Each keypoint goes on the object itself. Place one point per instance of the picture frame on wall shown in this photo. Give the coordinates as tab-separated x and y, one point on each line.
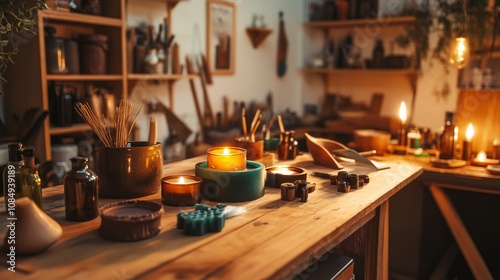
221	36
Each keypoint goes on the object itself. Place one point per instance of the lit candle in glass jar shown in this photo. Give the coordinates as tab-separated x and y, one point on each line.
180	190
227	158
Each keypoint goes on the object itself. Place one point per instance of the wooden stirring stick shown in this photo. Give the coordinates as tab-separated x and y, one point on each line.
153	131
244	123
280	124
254	128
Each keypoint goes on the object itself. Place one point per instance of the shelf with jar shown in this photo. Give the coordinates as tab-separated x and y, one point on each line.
78	48
382	21
340	62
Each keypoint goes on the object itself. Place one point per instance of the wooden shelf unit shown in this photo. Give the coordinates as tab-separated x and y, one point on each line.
331	26
381	71
64	17
76	128
384	21
257	35
21	96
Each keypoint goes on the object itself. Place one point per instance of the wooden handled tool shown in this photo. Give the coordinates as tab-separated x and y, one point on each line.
209	115
190	71
206	69
153	131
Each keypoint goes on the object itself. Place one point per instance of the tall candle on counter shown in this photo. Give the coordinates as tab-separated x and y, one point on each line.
402	116
227	158
496	149
467	145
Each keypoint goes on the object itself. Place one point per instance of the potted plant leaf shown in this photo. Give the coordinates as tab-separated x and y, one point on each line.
477	20
17	23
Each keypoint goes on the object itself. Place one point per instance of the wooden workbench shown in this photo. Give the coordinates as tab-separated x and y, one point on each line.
275	239
453	194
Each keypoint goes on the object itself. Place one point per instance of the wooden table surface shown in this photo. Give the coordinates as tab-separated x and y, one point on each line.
274	239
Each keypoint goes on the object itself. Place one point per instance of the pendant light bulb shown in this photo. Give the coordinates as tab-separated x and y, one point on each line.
460	52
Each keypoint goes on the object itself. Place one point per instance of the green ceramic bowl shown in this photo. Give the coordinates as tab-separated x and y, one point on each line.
232	186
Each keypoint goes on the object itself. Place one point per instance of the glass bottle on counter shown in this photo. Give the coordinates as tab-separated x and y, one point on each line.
12	176
287	146
80	191
414	142
31	184
447	138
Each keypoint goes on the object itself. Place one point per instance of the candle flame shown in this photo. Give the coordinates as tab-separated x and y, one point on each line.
470	132
225	152
284	171
455	134
402	112
181	180
481	156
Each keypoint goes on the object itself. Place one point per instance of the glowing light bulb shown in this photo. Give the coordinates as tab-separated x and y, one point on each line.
460	52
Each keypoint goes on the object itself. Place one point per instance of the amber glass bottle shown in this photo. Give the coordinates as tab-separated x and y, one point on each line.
31	184
287	146
80	191
447	138
12	176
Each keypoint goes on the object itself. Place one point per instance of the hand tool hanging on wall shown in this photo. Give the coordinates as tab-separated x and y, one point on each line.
209	114
190	71
175	123
282	47
197	45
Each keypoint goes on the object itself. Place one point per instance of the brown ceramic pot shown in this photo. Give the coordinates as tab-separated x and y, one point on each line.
130	172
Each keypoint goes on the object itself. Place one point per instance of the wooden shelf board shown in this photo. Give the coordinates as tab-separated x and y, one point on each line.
400	20
80	77
358	71
159	76
81	18
69	129
257	35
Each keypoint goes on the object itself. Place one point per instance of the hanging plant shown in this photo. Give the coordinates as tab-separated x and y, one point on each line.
17	21
448	19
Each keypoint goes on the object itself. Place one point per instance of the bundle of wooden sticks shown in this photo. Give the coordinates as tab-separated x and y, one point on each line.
255	124
122	126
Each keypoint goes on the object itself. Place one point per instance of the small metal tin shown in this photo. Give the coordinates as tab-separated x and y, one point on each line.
299	184
343	187
287	191
361	181
334	179
354	181
365	177
304	194
343	176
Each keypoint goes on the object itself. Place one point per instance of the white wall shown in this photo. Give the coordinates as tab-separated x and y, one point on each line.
255	74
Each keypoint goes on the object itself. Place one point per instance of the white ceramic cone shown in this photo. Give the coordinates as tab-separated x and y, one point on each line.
35	231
